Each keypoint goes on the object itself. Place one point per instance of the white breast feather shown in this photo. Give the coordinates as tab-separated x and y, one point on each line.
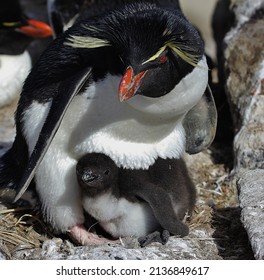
120	217
136	132
13	71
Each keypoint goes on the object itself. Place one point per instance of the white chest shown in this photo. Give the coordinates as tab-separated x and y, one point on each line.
120	217
13	71
133	139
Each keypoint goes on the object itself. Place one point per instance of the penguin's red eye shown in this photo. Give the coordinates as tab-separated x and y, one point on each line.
163	59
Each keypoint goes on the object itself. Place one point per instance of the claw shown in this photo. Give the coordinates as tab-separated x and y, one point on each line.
156	236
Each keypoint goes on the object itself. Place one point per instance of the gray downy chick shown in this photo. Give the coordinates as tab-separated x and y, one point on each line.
147	204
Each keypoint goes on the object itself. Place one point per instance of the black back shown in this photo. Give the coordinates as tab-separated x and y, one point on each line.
97	7
62	11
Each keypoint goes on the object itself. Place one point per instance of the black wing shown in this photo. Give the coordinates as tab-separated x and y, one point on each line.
66	92
161	205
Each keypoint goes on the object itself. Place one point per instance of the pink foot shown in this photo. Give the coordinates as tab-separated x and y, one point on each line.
80	235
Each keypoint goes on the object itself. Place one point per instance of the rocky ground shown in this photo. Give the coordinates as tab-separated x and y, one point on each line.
215	228
244	67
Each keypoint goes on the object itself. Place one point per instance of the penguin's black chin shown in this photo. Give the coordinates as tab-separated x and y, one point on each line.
130	84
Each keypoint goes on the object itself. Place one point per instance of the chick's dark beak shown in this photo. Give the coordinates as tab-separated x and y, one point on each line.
130	84
36	29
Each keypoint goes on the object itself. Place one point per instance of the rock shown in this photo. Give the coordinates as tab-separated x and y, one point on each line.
252	219
251	189
244	68
248	142
2	256
199	245
244	83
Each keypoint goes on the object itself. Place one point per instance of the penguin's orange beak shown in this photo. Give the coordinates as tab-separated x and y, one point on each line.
36	29
130	84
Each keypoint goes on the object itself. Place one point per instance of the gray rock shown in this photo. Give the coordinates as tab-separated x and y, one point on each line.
244	60
251	189
2	257
199	245
253	220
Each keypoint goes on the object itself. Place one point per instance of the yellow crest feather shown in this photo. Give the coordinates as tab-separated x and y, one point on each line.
86	42
10	24
183	53
91	28
159	52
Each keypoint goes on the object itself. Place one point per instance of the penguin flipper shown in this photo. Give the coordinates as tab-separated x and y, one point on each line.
68	89
200	124
161	205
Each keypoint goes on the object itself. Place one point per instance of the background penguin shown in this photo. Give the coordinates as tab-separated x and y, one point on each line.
37	9
64	13
16	33
146	56
141	203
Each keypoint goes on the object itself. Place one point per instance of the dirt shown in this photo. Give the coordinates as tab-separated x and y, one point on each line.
211	172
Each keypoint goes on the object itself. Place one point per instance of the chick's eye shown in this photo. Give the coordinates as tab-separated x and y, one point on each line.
107	172
163	59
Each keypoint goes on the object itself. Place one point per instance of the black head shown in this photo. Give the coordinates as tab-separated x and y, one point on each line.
156	47
17	30
96	173
61	12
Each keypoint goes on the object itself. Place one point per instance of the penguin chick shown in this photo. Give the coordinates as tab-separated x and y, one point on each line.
142	203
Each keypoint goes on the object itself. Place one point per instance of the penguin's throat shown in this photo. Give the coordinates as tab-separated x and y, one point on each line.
132	138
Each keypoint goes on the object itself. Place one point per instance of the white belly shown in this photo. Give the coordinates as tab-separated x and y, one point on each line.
131	138
120	217
13	71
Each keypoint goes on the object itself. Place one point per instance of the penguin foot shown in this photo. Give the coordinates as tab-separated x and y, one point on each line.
156	236
81	236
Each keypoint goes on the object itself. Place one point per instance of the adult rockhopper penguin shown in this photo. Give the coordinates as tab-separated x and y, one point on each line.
16	33
119	84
